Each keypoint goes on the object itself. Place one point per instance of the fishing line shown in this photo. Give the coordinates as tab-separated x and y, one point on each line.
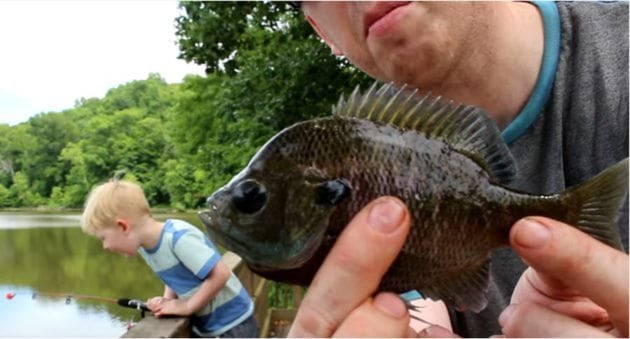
124	302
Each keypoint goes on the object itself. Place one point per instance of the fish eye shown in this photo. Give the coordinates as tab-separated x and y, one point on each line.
249	196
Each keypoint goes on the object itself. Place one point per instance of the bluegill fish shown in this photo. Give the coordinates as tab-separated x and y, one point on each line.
284	211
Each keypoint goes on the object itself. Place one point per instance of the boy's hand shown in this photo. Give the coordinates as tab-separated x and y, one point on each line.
163	306
155	302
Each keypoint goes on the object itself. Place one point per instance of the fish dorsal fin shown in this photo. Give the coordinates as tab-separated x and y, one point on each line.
466	128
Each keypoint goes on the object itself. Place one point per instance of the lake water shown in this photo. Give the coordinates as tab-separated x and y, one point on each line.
48	253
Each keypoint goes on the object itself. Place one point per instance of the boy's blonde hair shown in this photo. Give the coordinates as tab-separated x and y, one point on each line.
112	200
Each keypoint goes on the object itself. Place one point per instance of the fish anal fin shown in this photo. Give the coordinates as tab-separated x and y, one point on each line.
465	289
467	129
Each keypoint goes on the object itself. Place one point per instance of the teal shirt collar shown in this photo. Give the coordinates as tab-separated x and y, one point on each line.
544	84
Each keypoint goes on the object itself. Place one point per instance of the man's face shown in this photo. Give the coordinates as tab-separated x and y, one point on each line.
417	43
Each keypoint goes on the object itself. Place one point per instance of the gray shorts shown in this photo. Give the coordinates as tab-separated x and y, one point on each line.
247	329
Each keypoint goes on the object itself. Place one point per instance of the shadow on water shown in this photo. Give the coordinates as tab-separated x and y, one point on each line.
50	253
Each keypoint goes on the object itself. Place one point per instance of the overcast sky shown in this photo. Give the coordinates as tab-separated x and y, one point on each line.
54	52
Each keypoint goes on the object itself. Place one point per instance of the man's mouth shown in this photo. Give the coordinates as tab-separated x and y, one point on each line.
379	12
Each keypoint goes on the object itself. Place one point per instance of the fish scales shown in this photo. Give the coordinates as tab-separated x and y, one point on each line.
439	177
284	211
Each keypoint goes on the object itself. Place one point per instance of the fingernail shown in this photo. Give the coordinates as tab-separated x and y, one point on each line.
506	314
390	304
531	234
427	333
386	215
435	331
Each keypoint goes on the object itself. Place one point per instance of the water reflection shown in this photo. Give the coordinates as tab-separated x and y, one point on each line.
24	220
24	316
50	253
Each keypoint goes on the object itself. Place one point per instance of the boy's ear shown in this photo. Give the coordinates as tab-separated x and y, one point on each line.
123	224
333	48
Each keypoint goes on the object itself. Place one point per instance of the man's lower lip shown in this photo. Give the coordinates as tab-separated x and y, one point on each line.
383	25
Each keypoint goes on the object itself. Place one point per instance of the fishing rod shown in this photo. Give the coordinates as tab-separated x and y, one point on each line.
124	302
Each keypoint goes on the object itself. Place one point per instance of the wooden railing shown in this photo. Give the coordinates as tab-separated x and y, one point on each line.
178	327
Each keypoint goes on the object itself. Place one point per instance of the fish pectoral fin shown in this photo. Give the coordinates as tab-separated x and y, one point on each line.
332	192
464	290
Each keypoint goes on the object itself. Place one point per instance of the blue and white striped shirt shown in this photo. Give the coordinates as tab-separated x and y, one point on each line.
183	258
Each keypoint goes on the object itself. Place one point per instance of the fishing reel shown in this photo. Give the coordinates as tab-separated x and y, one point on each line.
133	303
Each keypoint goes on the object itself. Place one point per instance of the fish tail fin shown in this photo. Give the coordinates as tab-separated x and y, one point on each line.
596	203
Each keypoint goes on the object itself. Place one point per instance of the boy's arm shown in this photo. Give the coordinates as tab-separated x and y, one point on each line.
169	293
209	288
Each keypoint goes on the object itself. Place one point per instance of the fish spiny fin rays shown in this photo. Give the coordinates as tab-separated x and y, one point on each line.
466	128
466	290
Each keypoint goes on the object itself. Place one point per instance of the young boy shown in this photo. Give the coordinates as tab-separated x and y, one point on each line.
196	282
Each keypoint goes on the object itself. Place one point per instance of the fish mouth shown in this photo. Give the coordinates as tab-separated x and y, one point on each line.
222	231
207	219
218	227
378	12
211	221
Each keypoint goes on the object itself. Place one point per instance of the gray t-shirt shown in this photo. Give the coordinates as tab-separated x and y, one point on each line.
582	131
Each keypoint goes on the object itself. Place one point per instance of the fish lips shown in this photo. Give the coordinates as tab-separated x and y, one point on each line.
215	225
209	220
217	204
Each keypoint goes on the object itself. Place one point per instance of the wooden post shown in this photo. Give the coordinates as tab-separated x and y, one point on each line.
298	295
261	301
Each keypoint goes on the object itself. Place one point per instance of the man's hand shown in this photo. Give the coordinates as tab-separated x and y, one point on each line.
576	286
339	302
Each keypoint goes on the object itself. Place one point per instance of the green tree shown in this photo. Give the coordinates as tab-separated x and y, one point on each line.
278	71
20	192
51	132
17	144
209	33
78	178
5	197
266	71
185	183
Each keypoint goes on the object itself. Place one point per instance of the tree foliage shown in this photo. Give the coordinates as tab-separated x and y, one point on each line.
265	71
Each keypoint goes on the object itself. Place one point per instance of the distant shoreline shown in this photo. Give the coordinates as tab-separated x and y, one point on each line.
50	210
